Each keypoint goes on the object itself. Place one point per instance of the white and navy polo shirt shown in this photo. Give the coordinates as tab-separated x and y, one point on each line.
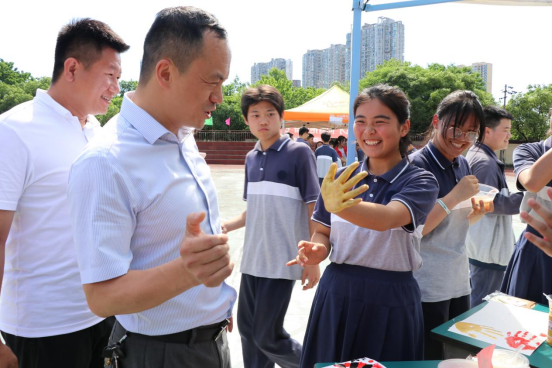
279	183
391	250
525	156
445	274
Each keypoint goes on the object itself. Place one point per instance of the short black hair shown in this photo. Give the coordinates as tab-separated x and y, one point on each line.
310	136
178	34
303	130
325	137
493	115
264	92
84	40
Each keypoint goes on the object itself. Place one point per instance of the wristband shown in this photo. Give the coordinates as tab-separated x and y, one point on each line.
444	206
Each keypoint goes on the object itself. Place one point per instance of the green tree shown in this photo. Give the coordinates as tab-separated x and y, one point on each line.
531	113
127	86
12	76
230	108
112	110
426	87
16	86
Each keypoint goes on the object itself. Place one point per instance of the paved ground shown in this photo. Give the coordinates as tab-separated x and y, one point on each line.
229	183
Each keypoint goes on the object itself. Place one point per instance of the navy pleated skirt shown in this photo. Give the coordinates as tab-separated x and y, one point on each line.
529	273
363	312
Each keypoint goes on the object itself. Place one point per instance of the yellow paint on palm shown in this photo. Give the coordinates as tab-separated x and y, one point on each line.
337	193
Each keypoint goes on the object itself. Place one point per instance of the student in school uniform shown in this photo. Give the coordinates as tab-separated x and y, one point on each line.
368	302
444	279
281	187
490	242
529	273
542	223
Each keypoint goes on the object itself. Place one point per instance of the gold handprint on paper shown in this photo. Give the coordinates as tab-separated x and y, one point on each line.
483	330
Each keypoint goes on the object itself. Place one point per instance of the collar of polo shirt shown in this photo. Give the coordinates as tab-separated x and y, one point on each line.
276	146
439	157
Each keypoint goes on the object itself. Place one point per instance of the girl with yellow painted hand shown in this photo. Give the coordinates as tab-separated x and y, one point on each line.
368	303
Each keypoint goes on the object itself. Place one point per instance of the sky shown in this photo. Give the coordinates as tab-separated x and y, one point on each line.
516	40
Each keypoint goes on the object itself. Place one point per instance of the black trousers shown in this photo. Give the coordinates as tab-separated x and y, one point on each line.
262	307
435	314
79	349
143	351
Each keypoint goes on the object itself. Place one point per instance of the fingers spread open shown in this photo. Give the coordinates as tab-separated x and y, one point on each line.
354	180
330	176
356	192
347	173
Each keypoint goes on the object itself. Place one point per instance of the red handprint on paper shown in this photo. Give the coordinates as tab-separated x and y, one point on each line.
518	339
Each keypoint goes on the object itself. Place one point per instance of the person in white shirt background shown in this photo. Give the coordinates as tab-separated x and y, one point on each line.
44	316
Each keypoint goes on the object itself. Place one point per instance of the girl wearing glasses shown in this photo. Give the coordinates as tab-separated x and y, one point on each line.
368	303
444	277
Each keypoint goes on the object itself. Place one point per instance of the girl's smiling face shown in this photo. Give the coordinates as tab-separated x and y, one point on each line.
449	144
378	131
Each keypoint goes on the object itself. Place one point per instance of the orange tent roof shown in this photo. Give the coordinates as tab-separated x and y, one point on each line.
330	110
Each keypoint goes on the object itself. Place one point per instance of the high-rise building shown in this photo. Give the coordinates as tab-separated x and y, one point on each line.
259	69
313	69
379	42
486	71
321	68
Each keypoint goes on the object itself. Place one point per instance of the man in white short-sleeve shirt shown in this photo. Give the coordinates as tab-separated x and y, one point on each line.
44	316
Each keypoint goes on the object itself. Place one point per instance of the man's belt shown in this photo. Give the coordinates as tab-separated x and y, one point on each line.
199	334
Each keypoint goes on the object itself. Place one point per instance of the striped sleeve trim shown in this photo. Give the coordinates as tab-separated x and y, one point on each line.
321	223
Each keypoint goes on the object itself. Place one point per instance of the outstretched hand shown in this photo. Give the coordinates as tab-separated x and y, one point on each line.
309	253
337	193
544	227
205	257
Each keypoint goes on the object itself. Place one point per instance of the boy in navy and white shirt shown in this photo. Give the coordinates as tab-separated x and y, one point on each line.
325	155
490	242
281	187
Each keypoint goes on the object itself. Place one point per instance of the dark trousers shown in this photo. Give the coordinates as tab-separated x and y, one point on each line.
484	281
262	306
435	314
142	351
78	349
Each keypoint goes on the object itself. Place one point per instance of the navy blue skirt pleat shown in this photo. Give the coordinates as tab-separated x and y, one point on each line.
529	272
363	312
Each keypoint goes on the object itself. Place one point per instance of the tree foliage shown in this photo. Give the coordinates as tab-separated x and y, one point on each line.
531	113
17	86
426	87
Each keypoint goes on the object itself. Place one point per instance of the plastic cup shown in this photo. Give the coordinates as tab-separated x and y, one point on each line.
457	363
509	359
486	194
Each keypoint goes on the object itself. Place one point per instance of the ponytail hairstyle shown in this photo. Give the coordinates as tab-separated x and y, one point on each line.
394	99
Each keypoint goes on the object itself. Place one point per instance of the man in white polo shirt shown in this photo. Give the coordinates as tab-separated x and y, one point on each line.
44	317
145	209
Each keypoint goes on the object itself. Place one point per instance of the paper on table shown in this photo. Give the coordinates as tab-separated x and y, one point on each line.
358	363
506	326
